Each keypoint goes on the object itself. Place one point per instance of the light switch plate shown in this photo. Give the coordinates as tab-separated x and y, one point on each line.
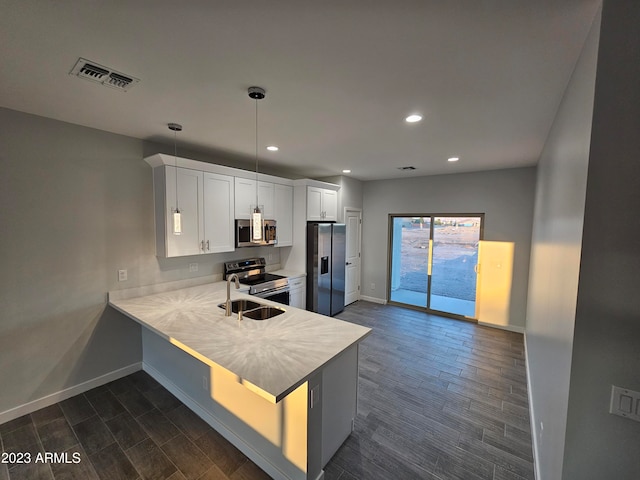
625	403
122	275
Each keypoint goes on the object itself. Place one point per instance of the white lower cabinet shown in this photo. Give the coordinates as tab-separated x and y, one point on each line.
297	293
205	201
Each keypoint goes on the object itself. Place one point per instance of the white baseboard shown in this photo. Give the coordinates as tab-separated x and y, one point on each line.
227	433
381	301
532	417
511	328
56	397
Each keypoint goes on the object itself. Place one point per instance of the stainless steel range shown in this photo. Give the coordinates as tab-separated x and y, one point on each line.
251	271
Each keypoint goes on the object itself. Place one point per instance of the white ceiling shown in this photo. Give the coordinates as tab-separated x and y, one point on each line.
340	76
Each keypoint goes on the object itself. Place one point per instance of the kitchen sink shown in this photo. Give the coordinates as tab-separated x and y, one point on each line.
263	313
253	310
242	305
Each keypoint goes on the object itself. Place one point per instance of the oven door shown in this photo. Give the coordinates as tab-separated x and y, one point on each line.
280	295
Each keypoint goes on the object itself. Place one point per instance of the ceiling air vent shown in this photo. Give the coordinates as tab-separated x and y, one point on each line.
104	75
406	168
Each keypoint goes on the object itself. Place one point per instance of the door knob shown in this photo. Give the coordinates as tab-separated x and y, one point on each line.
348	263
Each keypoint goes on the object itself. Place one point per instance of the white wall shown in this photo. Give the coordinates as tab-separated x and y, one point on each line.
76	205
606	344
555	261
504	196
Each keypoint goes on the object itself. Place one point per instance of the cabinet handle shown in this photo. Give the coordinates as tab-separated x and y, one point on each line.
207	245
202	245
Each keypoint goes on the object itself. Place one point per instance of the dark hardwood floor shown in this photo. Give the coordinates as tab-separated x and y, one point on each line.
438	399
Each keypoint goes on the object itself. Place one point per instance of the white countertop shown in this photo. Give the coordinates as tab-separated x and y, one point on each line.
289	273
271	357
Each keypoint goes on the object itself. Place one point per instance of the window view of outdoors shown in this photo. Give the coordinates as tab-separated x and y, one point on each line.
454	254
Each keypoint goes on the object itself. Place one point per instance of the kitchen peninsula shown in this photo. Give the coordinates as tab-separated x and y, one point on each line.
282	390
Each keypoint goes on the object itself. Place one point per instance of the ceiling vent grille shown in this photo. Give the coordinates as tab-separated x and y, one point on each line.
406	168
106	76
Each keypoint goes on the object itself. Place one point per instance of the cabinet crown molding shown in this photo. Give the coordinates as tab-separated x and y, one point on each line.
309	182
160	159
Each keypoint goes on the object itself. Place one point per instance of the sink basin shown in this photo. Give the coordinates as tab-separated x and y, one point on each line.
263	313
254	310
242	305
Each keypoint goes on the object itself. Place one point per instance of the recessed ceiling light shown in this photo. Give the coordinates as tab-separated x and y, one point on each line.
453	159
413	118
346	171
272	148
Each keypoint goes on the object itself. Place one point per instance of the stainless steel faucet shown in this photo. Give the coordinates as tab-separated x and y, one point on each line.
227	305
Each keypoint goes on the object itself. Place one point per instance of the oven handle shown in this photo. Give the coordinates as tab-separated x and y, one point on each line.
268	293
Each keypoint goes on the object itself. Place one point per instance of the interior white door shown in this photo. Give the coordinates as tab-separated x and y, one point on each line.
352	219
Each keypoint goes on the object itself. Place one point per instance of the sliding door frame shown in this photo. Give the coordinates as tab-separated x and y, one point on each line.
432	216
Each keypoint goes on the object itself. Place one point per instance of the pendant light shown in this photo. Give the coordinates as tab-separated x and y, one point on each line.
257	220
177	215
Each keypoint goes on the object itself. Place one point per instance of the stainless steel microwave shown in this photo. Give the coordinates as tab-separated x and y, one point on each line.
243	233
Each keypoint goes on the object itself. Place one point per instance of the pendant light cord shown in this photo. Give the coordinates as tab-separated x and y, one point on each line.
175	158
256	100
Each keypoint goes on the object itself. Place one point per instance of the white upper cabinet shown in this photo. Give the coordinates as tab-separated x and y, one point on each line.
283	205
188	190
330	205
266	198
322	204
205	201
210	197
245	197
219	233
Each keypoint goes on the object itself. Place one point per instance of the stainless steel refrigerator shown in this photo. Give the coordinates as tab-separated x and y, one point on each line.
326	251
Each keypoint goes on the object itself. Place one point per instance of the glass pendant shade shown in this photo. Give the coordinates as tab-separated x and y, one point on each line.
177	222
257	227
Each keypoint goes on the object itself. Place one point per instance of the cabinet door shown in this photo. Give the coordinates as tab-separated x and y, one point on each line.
266	199
297	298
218	213
330	205
297	295
314	204
284	214
245	196
188	190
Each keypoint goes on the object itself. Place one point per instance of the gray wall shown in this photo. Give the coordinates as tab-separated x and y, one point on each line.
606	345
76	205
504	196
555	261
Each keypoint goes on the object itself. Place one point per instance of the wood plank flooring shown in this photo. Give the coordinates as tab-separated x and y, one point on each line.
438	399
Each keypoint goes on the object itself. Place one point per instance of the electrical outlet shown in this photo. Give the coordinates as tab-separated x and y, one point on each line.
373	286
270	256
193	267
205	383
122	275
625	403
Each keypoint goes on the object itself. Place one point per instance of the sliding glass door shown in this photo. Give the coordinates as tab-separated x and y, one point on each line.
433	262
